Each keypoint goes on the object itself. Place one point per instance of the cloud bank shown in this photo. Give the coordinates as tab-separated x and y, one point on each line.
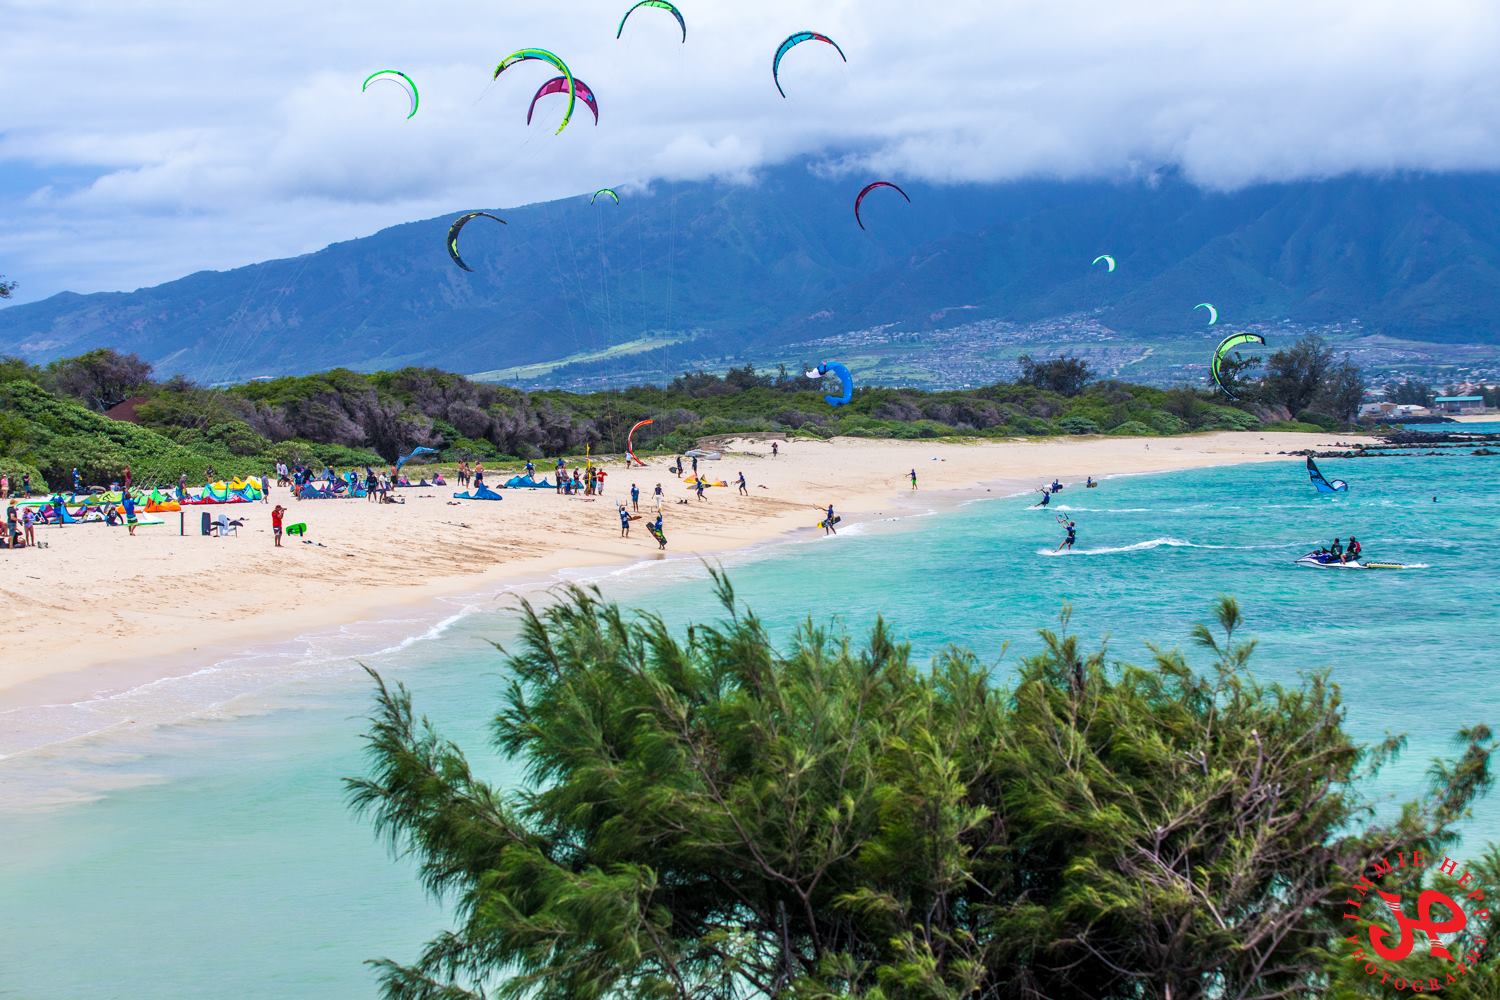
142	141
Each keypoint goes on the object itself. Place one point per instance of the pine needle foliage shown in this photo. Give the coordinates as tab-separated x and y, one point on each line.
710	816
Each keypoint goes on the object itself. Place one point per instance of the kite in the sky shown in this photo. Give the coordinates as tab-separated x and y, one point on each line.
660	5
1109	261
1213	313
860	200
845	379
611	193
400	79
791	43
1226	345
559	85
457	227
542	55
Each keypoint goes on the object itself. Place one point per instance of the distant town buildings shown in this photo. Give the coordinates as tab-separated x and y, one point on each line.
1459	404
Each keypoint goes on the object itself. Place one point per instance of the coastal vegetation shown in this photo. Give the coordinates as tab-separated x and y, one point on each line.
54	419
712	813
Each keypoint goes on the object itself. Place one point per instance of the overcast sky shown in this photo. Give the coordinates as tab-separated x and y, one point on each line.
140	141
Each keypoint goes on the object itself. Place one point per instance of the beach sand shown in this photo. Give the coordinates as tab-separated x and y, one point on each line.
97	609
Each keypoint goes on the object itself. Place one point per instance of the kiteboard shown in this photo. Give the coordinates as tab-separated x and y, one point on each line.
836	520
297	529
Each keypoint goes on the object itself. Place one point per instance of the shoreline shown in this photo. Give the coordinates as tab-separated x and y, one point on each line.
525	545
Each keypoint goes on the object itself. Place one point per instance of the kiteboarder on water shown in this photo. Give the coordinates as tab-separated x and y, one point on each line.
1046	499
1067	543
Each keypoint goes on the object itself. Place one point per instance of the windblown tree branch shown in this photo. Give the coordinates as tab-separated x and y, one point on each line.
712	816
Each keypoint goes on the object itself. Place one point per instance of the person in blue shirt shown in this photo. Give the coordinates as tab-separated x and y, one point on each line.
624	522
128	503
635	498
828	519
744	487
77	482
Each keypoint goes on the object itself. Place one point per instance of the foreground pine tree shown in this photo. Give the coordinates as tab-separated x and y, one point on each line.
718	818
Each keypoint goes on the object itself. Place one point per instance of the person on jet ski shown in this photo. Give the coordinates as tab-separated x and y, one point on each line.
1336	550
1351	554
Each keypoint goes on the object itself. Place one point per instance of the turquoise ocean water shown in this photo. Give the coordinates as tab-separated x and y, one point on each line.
214	856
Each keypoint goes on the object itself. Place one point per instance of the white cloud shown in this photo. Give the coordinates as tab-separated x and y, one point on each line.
220	134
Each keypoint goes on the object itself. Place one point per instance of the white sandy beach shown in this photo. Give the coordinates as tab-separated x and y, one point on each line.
97	606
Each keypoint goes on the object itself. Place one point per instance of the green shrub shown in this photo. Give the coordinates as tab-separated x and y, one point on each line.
1132	428
1077	425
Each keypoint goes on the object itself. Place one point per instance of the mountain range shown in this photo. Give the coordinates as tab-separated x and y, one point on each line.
728	269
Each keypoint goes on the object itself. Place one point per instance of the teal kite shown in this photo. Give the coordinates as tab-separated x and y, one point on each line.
542	55
793	42
659	5
1108	261
1213	313
401	79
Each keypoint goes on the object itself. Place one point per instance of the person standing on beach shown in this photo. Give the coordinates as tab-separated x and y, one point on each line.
125	477
660	532
4	486
557	474
624	522
698	488
599	480
13	524
658	498
26	484
913	479
635	498
278	513
775	449
28	520
77	483
128	502
744	489
695	465
678	467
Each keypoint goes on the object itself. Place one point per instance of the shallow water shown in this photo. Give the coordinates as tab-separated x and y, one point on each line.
214	856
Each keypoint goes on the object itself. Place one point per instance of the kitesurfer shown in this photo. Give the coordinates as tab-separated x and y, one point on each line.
744	488
659	532
828	519
1067	543
1046	499
624	522
1056	486
698	488
1089	483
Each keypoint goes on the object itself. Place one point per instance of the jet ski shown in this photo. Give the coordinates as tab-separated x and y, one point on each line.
1327	560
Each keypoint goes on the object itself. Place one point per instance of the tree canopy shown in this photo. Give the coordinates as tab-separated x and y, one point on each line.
706	815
